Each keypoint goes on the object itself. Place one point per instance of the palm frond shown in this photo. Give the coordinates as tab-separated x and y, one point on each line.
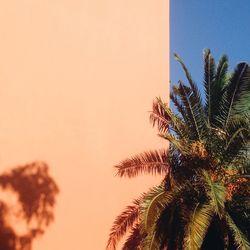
198	226
188	75
217	91
216	194
242	98
179	106
165	119
134	239
123	223
150	242
221	73
240	239
193	109
171	226
237	138
155	200
194	94
152	205
159	116
238	91
209	75
155	203
178	143
237	134
152	162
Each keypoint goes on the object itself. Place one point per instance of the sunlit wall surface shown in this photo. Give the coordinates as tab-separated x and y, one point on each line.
77	79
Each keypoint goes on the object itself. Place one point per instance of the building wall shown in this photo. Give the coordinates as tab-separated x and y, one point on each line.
77	81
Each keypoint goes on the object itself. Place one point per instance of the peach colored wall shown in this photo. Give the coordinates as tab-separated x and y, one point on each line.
77	78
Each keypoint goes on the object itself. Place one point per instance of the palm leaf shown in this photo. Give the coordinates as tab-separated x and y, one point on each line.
151	242
180	107
171	226
155	200
159	116
221	73
194	95
188	75
240	239
123	223
242	98
164	117
216	194
152	207
209	75
238	85
193	109
237	138
237	134
152	162
218	96
198	226
134	239
178	143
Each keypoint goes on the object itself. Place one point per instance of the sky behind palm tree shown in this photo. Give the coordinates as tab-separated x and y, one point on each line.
222	26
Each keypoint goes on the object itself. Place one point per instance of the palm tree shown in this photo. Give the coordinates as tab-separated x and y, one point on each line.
203	200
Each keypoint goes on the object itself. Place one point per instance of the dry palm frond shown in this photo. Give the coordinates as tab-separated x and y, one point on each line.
134	239
159	116
198	149
123	223
152	162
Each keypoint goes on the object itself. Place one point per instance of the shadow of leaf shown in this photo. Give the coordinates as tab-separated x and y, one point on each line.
36	194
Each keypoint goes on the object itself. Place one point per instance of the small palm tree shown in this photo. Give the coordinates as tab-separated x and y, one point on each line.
203	200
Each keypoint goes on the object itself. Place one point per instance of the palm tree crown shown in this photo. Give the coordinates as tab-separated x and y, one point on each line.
203	199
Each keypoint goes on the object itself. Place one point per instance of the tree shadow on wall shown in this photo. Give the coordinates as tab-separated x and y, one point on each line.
32	192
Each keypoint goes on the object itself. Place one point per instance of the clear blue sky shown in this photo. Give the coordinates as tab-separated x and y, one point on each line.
221	25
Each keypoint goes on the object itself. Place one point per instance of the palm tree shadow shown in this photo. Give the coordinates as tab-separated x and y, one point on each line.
35	191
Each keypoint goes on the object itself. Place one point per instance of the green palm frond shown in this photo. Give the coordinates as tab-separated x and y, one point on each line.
238	134
237	138
216	194
218	97
242	98
123	223
152	205
196	230
238	92
194	95
221	74
195	112
209	77
179	106
240	239
189	77
156	200
150	242
152	162
178	143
